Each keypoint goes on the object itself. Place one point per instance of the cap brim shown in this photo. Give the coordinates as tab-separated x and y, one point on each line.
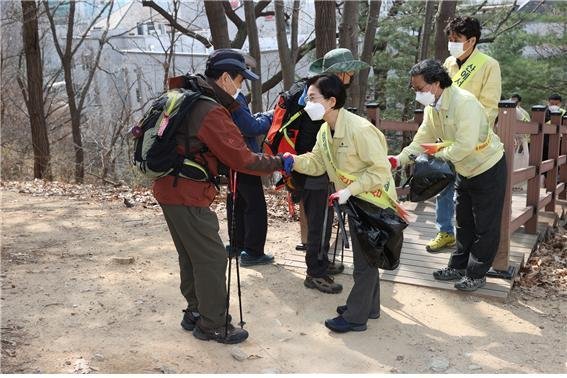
249	74
316	67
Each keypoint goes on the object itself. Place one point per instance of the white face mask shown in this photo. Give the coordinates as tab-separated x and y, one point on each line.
315	110
425	98
553	108
235	95
456	49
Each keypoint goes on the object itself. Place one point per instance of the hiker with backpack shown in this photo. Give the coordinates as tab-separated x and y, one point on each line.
353	152
313	191
250	210
209	136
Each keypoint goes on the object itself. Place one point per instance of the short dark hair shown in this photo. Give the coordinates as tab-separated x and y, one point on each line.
555	96
330	86
467	26
517	96
432	71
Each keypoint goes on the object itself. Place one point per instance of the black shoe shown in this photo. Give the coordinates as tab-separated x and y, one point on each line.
341	325
233	336
189	319
335	268
323	284
249	260
470	284
449	274
373	315
301	247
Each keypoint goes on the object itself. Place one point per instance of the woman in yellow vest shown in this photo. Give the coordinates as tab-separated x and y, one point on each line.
456	117
354	154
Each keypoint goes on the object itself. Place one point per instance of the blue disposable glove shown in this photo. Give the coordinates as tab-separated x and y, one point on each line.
287	162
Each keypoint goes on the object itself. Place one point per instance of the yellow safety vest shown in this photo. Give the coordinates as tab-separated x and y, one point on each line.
378	197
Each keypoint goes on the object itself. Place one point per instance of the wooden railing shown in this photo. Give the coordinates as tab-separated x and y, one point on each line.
555	167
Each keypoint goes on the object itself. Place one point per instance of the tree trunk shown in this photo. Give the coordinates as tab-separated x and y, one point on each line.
445	11
348	38
34	103
288	68
426	29
217	24
367	47
254	48
325	27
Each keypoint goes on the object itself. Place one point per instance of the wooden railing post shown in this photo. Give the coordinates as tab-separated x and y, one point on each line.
536	154
563	168
506	131
551	179
373	113
418	116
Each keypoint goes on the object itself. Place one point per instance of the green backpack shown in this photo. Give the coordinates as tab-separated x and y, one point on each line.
155	144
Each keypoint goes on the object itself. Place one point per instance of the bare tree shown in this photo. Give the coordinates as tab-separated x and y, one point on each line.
367	47
217	24
426	29
325	27
287	54
348	38
254	47
77	94
33	97
445	12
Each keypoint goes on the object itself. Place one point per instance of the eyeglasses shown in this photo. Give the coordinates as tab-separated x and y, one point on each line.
311	98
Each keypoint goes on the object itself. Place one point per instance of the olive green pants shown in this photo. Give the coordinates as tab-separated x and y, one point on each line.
202	260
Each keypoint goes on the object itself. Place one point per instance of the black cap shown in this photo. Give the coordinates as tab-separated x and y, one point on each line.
230	60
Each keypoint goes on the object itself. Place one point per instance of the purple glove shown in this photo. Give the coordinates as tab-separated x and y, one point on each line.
287	162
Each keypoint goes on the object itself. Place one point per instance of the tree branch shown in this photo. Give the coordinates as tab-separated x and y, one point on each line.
175	24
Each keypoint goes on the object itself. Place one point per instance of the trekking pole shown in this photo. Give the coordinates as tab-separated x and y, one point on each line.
336	242
230	246
233	231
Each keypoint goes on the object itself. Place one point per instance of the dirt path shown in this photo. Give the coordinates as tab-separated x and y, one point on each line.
68	307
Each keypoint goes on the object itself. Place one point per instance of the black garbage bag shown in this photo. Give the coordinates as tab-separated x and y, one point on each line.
430	176
380	232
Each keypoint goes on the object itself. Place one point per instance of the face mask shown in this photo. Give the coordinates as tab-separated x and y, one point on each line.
235	95
315	110
553	108
425	98
456	49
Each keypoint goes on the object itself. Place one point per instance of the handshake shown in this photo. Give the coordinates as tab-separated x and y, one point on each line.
287	162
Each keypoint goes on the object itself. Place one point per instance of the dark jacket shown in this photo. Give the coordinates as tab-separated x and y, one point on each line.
210	128
251	125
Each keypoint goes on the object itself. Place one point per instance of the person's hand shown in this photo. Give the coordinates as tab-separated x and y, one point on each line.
341	196
394	161
433	148
287	162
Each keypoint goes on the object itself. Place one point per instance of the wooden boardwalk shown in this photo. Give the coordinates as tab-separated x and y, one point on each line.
417	265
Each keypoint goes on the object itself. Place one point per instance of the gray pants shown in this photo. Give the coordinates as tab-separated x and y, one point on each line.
202	260
364	298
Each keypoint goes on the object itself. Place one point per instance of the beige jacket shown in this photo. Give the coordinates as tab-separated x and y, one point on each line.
359	149
485	85
462	121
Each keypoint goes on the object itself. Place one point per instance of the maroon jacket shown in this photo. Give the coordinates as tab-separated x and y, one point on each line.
210	124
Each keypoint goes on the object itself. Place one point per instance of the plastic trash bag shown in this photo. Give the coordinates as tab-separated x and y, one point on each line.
430	176
380	232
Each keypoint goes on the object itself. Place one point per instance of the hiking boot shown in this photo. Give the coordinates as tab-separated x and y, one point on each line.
335	268
301	247
233	336
340	324
470	284
441	240
189	319
248	260
323	284
373	314
449	274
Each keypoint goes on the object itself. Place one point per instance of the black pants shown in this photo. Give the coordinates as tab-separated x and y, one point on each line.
480	200
314	202
251	215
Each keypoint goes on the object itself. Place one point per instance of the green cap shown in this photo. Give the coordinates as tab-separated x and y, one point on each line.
336	61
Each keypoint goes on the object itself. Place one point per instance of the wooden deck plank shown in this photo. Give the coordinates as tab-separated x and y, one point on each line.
417	265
